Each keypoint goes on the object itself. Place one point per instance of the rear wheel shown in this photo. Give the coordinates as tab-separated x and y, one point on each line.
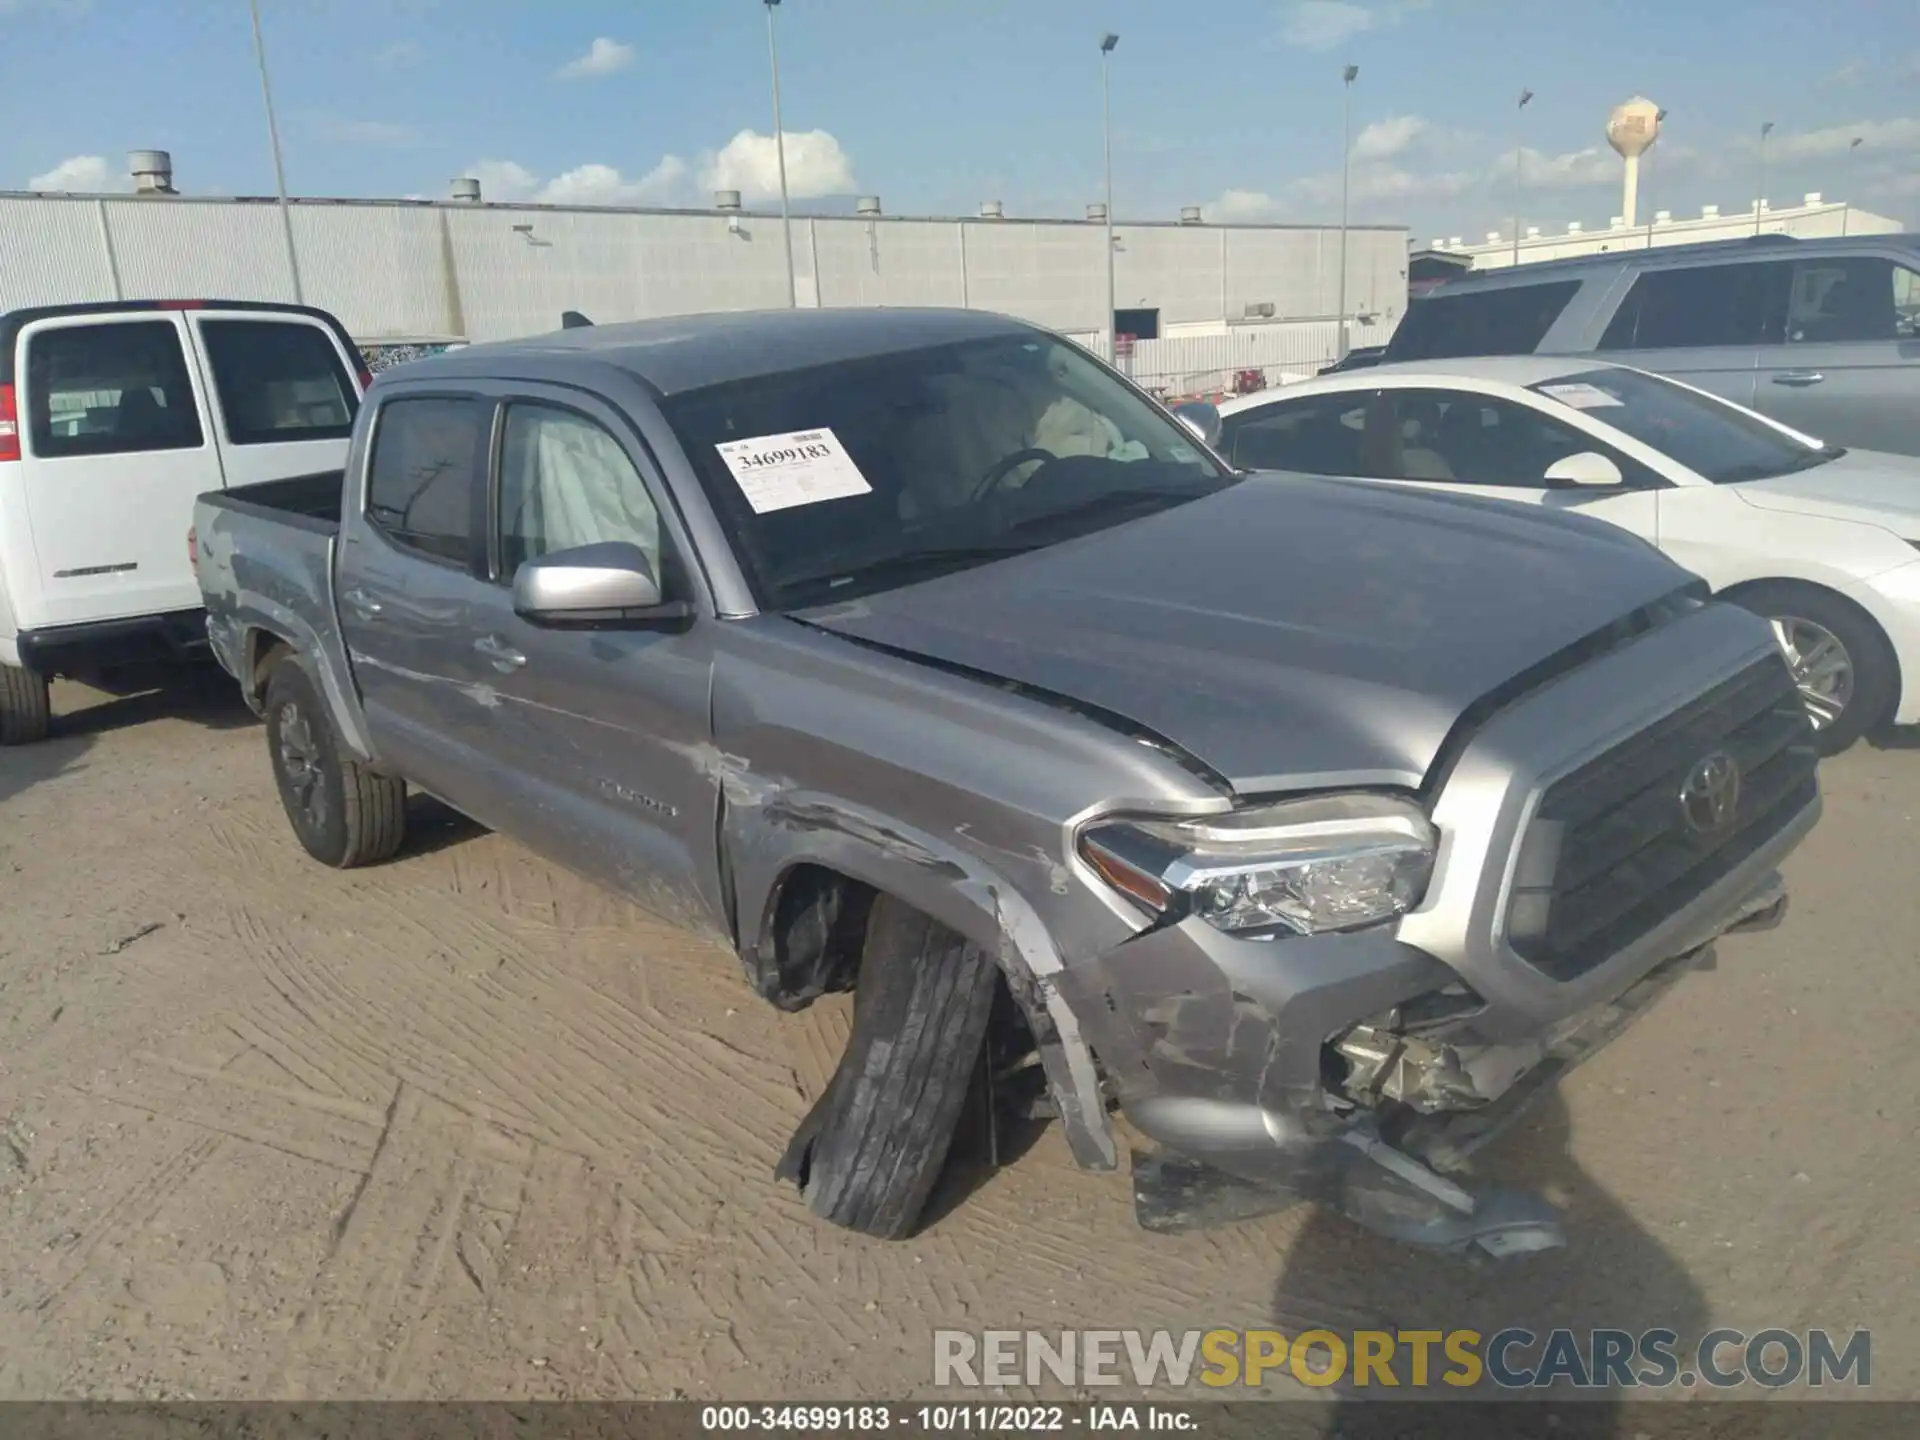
26	710
343	813
868	1154
1848	674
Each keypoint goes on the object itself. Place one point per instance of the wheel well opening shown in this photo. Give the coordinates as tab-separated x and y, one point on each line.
814	943
266	650
813	937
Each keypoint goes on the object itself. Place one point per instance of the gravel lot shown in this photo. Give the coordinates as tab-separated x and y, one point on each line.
463	1126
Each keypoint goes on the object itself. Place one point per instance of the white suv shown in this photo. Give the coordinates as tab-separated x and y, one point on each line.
113	417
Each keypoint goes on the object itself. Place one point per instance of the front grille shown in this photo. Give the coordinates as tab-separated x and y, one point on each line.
1610	853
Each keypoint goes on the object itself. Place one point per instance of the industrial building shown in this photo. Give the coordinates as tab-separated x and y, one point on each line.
1201	300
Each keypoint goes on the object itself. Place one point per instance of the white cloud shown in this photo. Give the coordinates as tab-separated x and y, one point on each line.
603	57
604	185
503	180
1885	137
1570	170
1850	76
1384	139
1239	206
83	173
1325	24
401	55
816	165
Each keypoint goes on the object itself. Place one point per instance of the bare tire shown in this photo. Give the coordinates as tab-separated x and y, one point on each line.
868	1154
25	710
1847	671
342	812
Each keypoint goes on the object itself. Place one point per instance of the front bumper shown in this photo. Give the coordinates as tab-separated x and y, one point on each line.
1226	1052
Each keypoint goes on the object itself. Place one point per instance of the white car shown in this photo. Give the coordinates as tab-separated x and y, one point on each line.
1820	540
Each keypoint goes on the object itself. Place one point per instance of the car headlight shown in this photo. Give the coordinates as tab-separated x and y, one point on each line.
1301	867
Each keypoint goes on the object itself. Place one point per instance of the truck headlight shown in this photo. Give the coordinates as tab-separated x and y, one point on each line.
1301	867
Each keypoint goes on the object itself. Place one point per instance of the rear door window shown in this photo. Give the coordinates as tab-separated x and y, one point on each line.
1320	436
422	483
1503	320
278	381
110	389
1702	306
1851	298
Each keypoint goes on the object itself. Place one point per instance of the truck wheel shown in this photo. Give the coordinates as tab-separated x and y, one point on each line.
1847	672
868	1154
343	813
25	710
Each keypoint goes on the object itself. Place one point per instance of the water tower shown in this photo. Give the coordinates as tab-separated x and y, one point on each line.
1631	129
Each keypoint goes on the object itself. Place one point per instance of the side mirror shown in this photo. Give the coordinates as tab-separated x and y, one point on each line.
1202	418
605	583
1578	471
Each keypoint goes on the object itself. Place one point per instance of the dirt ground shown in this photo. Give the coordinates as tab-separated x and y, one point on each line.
463	1126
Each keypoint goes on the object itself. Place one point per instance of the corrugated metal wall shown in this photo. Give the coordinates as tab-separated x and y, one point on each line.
418	271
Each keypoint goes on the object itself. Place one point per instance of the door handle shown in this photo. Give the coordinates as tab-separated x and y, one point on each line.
1798	377
502	656
361	603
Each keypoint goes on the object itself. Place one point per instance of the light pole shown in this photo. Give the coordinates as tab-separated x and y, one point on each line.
1347	76
279	170
1107	42
780	155
1766	129
1846	205
1525	96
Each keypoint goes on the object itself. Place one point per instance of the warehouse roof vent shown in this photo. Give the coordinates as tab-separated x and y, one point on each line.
152	172
992	210
867	205
726	199
465	190
1189	214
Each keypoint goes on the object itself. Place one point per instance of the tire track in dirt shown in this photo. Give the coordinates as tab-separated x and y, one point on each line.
382	1293
133	1208
329	1131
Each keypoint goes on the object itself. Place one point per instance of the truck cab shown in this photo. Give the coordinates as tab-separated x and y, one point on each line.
113	417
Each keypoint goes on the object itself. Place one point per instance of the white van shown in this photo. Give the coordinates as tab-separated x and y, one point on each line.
113	417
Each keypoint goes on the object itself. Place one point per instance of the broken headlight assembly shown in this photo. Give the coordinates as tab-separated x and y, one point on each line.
1312	866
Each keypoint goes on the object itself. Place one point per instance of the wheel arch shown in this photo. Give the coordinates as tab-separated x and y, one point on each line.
784	850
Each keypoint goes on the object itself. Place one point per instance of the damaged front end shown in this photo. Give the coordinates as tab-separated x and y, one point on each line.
1309	1014
1405	1099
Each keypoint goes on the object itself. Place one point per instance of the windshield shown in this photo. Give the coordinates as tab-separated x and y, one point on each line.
1715	438
854	477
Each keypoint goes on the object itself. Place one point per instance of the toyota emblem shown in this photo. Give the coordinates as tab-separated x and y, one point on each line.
1710	795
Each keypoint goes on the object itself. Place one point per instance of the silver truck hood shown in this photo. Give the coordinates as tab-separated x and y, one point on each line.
1287	632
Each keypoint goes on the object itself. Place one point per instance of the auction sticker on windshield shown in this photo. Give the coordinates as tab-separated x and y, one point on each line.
1580	396
802	467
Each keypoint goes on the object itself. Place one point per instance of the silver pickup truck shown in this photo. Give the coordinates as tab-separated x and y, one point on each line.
1312	827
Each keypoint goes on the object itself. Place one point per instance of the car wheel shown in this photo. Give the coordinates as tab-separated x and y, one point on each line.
25	709
868	1154
1848	674
343	813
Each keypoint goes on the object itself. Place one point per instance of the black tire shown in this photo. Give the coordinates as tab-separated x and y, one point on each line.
342	813
1875	688
26	710
868	1154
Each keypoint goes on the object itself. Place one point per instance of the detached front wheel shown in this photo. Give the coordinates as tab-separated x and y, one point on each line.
343	813
868	1154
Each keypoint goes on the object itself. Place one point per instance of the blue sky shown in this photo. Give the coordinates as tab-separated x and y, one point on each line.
938	104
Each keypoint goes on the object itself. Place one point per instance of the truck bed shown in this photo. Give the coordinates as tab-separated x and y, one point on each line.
266	574
310	501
